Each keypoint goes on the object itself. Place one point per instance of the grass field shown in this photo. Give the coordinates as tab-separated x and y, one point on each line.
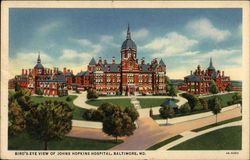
219	123
153	102
125	102
229	138
24	142
77	111
225	98
163	143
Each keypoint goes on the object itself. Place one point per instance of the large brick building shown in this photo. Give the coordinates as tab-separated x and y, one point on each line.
198	81
129	76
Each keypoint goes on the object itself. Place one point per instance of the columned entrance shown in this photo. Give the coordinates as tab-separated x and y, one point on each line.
131	89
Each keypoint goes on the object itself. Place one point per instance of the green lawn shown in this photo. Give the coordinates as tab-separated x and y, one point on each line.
163	143
77	111
229	138
219	123
24	142
225	98
153	102
124	102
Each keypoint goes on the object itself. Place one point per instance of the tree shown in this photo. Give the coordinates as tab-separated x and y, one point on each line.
192	100
216	108
166	112
39	92
172	91
132	113
17	87
118	125
49	121
185	108
92	94
237	98
168	83
213	88
204	103
16	121
109	109
198	106
229	87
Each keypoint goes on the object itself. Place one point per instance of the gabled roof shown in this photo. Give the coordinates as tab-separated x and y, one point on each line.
92	61
82	74
145	67
69	74
162	63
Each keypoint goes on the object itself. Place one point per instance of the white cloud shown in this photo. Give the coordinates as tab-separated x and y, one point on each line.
108	40
140	34
69	54
190	53
87	44
203	28
221	53
172	43
46	28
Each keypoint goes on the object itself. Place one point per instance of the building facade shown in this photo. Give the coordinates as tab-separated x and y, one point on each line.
198	81
128	76
50	83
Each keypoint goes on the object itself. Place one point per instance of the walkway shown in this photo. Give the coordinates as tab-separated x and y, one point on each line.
189	134
89	133
150	133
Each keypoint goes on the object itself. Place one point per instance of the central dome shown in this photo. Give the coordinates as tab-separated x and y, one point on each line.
128	43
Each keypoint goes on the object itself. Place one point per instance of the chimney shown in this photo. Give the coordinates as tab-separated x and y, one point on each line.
191	72
100	60
113	60
26	72
108	68
142	60
71	71
29	71
22	71
64	70
222	73
68	70
105	62
156	62
54	71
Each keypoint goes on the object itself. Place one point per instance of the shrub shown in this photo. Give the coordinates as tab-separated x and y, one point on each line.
39	92
204	103
68	99
92	94
88	114
77	90
185	108
198	106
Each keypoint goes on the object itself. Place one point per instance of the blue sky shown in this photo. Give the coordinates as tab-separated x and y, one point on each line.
183	38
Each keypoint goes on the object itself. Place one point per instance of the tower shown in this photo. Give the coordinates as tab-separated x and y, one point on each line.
128	48
39	69
211	68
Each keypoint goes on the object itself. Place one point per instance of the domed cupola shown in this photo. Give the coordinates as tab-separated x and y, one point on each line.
128	43
128	49
38	64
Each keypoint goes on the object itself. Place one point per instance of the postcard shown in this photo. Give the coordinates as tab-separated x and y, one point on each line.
125	80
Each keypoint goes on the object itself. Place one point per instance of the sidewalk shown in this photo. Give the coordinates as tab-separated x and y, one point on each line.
189	135
86	124
193	116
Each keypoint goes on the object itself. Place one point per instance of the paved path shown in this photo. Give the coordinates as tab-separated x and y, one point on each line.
89	133
189	134
87	124
150	133
81	99
193	116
